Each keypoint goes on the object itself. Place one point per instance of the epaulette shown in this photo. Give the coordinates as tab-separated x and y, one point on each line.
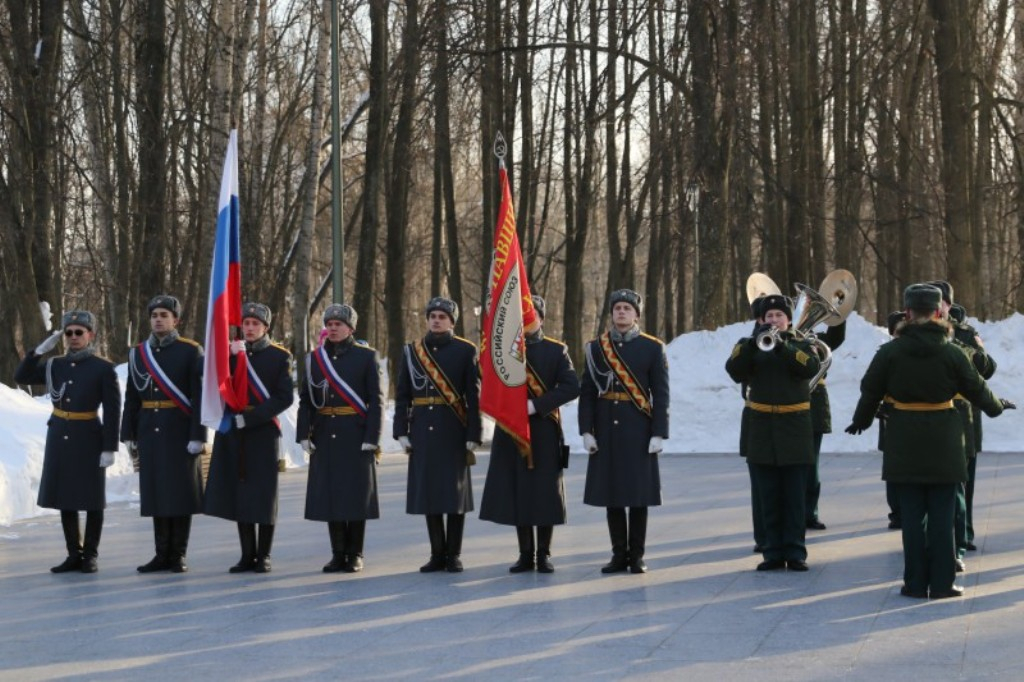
190	341
362	343
652	338
554	341
281	348
467	341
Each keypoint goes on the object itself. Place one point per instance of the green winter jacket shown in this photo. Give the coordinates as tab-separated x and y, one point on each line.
918	373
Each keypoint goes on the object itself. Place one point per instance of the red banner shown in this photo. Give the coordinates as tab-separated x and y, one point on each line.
509	315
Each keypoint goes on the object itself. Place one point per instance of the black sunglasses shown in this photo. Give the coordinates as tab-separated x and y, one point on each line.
73	332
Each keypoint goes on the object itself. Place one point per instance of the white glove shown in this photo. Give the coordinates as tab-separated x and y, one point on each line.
239	421
368	447
655	446
590	443
195	447
530	409
49	343
237	346
405	443
307	446
130	445
106	459
472	445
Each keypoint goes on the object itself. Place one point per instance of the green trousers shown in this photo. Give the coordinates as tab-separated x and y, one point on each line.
929	550
783	494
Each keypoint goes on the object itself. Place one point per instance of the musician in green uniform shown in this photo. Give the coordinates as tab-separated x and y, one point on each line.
918	374
777	365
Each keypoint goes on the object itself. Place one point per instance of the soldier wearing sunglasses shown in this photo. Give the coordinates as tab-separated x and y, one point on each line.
80	438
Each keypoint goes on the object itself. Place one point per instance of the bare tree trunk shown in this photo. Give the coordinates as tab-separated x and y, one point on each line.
311	186
376	145
399	184
954	23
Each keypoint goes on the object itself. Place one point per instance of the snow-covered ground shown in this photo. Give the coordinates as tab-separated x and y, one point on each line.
704	413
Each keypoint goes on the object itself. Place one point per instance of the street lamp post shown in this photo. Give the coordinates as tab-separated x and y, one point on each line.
337	198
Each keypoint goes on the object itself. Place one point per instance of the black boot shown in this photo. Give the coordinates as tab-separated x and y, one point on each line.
247	538
263	549
91	549
544	534
181	528
73	542
637	539
162	540
354	546
336	529
617	531
525	563
453	542
435	529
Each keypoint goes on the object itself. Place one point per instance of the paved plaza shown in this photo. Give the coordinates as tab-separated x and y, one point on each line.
702	613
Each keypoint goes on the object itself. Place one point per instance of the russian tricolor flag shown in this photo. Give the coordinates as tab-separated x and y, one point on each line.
221	390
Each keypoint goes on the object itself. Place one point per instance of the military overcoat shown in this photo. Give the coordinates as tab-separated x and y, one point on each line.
778	431
438	479
170	480
515	495
622	473
921	369
78	384
243	470
342	481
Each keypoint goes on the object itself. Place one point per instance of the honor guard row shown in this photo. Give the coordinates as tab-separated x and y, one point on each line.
623	417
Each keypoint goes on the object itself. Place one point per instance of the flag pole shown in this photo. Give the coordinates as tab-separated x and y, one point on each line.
337	199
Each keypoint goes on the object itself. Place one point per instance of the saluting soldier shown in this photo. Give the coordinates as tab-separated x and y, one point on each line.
437	421
918	374
623	418
341	407
779	442
162	420
527	492
80	443
243	470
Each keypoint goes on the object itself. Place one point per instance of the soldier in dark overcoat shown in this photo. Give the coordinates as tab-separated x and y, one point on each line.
162	421
821	424
341	407
524	492
437	421
80	441
779	441
918	374
242	485
623	418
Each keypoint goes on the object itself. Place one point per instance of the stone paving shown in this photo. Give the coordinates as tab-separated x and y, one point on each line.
701	613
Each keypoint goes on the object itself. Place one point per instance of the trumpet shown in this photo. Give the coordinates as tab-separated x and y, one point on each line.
766	340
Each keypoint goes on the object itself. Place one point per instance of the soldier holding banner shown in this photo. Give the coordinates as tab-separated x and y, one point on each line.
162	420
437	421
341	407
80	442
528	491
243	470
623	417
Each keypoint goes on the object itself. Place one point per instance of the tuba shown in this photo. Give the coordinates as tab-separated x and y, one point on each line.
831	307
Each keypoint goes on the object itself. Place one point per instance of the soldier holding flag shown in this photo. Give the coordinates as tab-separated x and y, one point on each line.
527	491
623	417
243	470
